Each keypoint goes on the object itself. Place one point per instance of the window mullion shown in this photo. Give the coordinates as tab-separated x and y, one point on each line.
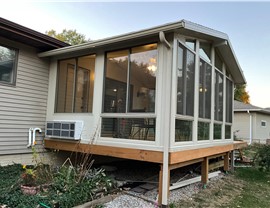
128	80
185	82
74	85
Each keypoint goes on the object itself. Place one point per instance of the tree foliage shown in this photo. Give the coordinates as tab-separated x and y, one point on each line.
71	37
241	94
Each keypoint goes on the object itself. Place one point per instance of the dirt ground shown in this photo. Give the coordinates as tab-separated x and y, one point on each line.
218	193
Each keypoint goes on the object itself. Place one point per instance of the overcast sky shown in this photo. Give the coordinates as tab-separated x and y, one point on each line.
246	23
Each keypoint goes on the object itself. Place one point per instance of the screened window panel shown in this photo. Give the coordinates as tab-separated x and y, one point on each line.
203	131
217	131
129	128
228	130
185	81
229	96
205	90
218	96
183	130
8	63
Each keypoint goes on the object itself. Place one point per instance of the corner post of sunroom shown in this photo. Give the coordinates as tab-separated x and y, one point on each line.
196	92
165	56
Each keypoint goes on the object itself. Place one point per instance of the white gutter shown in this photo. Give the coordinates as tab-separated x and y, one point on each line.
115	39
250	127
139	34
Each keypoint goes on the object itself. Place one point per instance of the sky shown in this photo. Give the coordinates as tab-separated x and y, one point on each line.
247	24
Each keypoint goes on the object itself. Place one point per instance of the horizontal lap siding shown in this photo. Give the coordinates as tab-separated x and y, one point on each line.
23	106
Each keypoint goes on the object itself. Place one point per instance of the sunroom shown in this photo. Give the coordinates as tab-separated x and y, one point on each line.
160	95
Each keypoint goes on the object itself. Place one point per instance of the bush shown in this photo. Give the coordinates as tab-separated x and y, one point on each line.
262	157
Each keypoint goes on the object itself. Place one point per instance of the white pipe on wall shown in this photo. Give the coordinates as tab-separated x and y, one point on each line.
34	135
250	127
30	137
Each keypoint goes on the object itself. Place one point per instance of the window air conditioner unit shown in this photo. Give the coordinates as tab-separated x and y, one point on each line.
64	129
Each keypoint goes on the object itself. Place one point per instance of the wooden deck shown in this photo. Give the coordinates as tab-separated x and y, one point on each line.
176	159
184	157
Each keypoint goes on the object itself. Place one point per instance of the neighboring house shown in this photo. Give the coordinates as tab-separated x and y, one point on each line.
251	123
24	79
162	95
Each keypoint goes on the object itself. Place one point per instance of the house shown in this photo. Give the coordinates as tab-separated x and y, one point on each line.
251	123
24	79
162	95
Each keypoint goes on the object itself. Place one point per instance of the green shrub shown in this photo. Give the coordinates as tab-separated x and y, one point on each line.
262	158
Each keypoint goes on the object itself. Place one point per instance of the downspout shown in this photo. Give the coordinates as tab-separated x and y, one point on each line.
34	135
163	39
250	127
166	144
30	137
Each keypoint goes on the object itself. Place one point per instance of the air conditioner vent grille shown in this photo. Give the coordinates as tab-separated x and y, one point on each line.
64	129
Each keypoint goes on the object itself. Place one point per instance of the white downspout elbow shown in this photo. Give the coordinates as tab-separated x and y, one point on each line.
163	39
34	135
30	137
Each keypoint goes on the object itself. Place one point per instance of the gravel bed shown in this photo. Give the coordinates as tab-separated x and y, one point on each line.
128	201
175	195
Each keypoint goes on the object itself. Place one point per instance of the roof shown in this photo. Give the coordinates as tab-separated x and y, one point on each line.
220	39
19	33
242	107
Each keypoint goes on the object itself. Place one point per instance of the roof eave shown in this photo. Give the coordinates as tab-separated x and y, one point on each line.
114	39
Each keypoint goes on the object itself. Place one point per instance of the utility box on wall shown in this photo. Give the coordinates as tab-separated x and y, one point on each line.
64	129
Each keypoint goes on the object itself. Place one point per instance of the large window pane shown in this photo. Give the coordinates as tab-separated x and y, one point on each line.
183	130
85	84
205	90
142	83
203	131
129	128
185	81
218	96
66	80
116	82
229	110
137	68
75	85
8	63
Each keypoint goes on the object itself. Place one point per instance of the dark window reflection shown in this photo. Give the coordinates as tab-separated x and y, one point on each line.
129	128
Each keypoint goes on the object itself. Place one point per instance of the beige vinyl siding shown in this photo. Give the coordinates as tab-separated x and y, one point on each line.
262	133
242	125
24	105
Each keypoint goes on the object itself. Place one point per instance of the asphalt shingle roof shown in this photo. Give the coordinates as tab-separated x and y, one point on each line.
239	106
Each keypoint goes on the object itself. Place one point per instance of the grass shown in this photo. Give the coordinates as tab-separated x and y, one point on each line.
247	187
256	190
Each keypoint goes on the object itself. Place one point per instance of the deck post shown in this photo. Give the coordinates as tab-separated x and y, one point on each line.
160	185
205	170
232	160
226	161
